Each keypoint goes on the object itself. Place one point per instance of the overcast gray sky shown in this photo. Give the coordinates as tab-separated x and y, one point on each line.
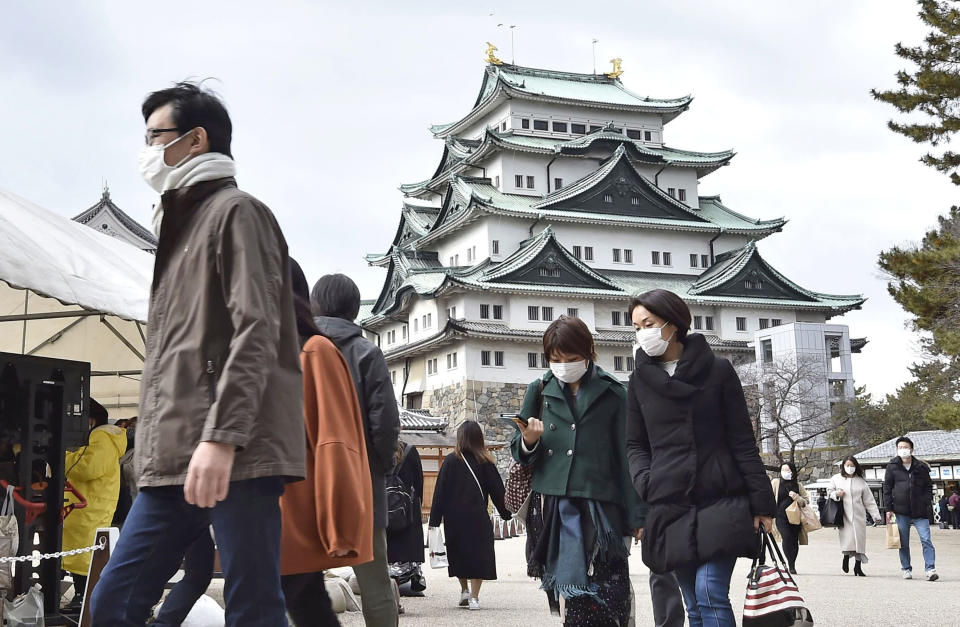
331	102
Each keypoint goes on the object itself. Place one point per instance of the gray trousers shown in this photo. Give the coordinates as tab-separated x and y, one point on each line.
668	610
376	588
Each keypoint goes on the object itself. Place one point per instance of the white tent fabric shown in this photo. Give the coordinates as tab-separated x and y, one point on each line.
59	258
69	292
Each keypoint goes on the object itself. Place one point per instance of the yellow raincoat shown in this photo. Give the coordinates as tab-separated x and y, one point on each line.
94	470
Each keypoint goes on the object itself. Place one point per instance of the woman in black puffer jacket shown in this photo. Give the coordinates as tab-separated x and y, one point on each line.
693	458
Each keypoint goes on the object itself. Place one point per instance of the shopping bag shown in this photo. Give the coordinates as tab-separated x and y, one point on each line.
793	514
9	539
832	514
809	519
24	611
893	534
773	598
437	548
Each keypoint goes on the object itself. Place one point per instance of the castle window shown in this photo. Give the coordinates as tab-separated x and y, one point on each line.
588	253
616	255
615	318
484	358
776	322
546	313
495	247
698	322
498	359
608	198
533	312
573	312
518	180
525	123
667	259
627	255
631	364
484	312
594	129
672	191
578	129
530	183
532	359
682	194
550	272
634	200
655	257
647	136
764	323
541	125
709	323
753	283
557	183
618	363
741	324
560	127
498	312
632	134
705	261
693	261
496	181
577	252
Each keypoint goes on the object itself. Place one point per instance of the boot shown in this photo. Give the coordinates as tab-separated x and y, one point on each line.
846	564
857	570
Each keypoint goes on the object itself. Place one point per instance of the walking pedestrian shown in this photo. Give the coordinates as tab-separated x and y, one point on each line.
908	492
327	519
851	488
787	490
220	426
94	470
574	440
405	542
693	458
953	508
198	563
335	302
468	479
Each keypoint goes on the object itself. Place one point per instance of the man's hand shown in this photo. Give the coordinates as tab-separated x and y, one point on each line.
766	521
531	432
208	475
637	535
889	517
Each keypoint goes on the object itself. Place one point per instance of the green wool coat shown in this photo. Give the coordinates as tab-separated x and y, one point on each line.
583	457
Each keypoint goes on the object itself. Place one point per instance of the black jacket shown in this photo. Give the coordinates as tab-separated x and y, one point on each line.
406	545
381	416
908	492
694	460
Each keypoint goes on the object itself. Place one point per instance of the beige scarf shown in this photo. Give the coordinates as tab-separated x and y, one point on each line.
209	166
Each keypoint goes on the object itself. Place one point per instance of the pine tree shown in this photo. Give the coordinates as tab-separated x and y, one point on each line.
933	88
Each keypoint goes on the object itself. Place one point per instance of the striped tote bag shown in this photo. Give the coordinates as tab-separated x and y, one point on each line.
773	598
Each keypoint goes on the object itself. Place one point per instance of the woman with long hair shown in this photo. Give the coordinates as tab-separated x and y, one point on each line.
693	458
573	438
787	490
467	481
851	488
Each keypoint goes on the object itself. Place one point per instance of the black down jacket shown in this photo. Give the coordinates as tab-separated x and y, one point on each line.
694	460
908	492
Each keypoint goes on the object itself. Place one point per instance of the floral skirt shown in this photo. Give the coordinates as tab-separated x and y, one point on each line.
611	606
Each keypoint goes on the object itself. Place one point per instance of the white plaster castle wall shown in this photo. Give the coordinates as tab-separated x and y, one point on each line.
581	115
462	240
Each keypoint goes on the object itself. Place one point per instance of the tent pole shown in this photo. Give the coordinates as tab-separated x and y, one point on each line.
26	304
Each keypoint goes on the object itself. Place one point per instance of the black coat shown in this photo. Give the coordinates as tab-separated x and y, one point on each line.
694	460
378	405
908	492
406	545
459	503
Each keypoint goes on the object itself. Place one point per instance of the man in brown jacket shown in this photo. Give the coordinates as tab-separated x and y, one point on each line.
221	419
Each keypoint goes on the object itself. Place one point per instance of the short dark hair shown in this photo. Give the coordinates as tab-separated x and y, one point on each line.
306	327
851	458
98	413
194	106
336	296
666	305
569	335
904	438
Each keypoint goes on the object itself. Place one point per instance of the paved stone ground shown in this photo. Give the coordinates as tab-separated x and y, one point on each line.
881	599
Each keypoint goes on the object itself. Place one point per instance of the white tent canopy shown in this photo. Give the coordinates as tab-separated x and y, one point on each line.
69	292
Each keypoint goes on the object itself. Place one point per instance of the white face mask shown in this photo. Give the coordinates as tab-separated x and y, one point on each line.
652	342
153	168
786	474
904	453
850	470
569	372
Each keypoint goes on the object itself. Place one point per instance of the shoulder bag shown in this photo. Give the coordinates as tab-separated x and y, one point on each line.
773	598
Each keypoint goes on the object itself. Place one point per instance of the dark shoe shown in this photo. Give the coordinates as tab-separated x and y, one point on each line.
846	563
857	570
793	570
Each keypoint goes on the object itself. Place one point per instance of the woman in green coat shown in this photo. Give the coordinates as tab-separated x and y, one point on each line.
575	439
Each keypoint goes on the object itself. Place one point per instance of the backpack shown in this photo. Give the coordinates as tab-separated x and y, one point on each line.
401	510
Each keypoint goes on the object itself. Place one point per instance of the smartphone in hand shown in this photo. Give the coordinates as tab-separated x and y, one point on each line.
514	419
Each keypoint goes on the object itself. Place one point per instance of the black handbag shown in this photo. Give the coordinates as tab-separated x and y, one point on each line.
831	515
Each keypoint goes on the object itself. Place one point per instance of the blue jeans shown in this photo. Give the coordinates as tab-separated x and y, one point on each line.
706	593
160	528
923	530
197	573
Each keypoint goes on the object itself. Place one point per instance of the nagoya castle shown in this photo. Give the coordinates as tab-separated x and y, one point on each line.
557	193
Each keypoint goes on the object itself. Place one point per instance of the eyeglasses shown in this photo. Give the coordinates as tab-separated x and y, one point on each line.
153	133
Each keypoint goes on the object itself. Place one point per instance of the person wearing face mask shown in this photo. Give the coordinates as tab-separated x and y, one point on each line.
693	459
574	440
221	414
787	490
850	487
908	493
